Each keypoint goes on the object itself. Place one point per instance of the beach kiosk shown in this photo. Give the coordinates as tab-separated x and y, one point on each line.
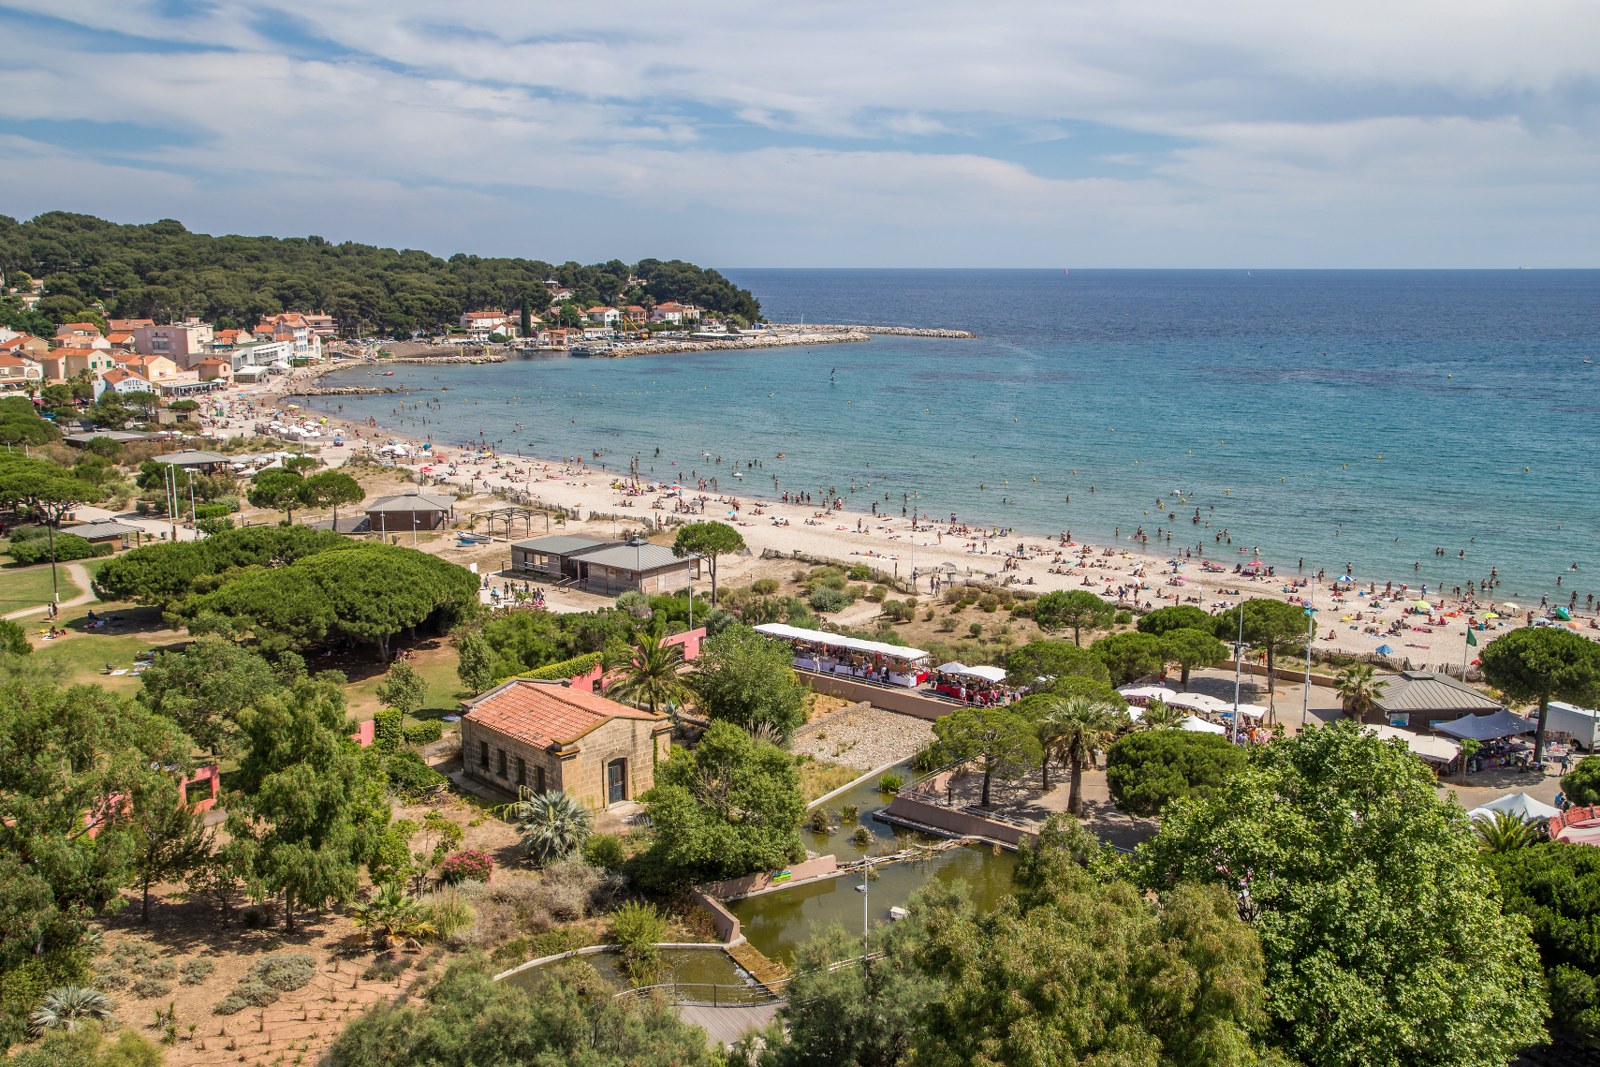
851	657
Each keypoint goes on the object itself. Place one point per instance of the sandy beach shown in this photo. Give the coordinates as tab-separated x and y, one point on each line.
1360	616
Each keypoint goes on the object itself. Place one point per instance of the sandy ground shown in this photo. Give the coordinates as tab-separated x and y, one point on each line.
1355	617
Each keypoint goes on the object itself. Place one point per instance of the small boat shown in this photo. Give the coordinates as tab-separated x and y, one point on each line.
1590	362
388	374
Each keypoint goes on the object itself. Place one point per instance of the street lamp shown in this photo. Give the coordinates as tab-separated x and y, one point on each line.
866	901
1238	672
1311	640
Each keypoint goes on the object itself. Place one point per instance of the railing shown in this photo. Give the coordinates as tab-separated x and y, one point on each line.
709	995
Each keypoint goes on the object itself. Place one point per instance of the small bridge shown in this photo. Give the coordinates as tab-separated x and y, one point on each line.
725	1012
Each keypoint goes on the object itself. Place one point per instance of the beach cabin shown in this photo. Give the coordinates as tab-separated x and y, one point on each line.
635	566
544	736
410	511
195	460
97	533
553	558
1420	699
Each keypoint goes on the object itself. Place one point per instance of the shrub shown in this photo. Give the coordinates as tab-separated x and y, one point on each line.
409	774
232	1005
468	865
211	511
849	813
605	851
387	731
424	733
860	572
827	599
637	927
989	603
862	837
196	970
14	639
764	586
890	783
283	971
68	547
385	968
567	668
146	987
1122	618
452	914
877	593
818	821
570	890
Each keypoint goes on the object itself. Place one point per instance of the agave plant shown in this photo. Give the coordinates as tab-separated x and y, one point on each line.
391	917
65	1007
552	824
1505	832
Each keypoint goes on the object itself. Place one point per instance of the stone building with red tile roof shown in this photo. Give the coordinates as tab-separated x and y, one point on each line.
545	736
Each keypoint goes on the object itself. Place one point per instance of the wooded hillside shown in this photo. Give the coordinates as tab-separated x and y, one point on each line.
162	271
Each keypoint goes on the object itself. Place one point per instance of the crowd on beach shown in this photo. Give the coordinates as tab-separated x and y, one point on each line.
1140	570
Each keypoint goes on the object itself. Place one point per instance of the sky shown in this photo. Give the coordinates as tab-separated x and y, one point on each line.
1017	133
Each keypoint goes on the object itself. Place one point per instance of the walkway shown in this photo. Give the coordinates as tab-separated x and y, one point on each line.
727	1025
76	574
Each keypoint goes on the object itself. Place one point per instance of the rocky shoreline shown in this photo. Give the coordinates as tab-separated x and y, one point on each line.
885	331
735	342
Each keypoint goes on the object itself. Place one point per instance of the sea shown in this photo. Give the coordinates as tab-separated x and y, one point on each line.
1416	426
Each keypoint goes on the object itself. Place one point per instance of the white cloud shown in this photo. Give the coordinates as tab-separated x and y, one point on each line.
1252	131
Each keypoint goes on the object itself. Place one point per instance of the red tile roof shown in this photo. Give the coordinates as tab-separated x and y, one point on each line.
546	713
77	327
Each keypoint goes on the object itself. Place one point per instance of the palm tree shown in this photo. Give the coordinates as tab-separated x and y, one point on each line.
1159	715
1504	832
652	677
65	1007
391	917
552	824
1078	727
1358	689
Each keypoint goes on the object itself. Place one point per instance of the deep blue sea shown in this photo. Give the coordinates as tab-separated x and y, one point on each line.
1361	417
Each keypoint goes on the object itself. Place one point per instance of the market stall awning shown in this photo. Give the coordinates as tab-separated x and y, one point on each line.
1196	725
1488	727
1197	702
1434	749
1521	805
1147	692
854	644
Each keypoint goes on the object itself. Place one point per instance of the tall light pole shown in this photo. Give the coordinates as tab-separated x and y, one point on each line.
1311	640
1238	672
866	902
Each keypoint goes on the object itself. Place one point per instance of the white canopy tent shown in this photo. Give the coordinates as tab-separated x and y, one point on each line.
1197	702
1196	725
1249	711
853	644
1501	723
1433	749
1143	694
1521	805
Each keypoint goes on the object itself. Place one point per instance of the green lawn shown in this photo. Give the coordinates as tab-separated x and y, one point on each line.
83	654
29	587
437	666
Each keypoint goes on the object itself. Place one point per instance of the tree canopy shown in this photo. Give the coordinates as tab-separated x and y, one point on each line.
1002	741
1052	660
165	574
1273	626
1076	610
1131	655
1556	885
1541	664
571	1016
729	806
1385	942
162	271
1147	770
747	679
708	540
1175	617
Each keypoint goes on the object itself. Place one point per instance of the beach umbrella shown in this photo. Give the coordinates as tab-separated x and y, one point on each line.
1421	604
1510	608
1346	578
1384	650
1490	615
1562	613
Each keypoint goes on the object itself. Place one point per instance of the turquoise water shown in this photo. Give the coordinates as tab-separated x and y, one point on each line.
1360	417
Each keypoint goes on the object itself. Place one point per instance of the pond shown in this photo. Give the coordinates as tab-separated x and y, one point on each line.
866	798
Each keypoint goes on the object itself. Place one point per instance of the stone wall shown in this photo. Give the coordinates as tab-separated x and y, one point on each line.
890	698
954	821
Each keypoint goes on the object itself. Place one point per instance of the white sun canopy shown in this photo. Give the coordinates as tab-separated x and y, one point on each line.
1436	749
988	674
1521	805
1197	702
853	644
1197	725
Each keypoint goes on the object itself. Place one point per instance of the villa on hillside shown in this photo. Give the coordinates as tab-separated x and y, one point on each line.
545	736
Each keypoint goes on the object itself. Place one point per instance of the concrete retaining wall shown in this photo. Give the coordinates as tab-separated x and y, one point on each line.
952	821
888	698
723	921
751	884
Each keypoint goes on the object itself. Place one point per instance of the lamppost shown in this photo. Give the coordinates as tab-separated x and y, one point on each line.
1238	672
866	901
1311	640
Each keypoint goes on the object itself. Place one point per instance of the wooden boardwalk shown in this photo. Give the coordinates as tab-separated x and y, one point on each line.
727	1025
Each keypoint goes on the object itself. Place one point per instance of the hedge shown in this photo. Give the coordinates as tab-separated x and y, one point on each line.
68	547
424	733
560	672
386	729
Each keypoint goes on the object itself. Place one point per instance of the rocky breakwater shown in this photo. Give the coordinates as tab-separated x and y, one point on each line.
885	331
344	390
735	342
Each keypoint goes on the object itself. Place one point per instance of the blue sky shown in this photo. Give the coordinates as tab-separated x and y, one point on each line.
1143	133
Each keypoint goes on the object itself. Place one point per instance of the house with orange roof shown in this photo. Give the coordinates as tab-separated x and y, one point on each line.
479	325
81	335
26	345
120	341
127	325
549	736
214	369
670	312
603	315
185	343
59	364
121	381
151	368
291	326
19	372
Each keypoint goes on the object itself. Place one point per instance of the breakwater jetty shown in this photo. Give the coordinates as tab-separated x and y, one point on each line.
774	338
885	331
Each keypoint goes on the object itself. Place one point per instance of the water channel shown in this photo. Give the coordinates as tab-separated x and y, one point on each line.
779	921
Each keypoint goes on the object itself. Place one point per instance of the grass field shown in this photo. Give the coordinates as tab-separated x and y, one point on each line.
29	587
819	777
437	665
83	654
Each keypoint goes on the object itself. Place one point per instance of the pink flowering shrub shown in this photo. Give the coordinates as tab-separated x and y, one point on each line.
468	865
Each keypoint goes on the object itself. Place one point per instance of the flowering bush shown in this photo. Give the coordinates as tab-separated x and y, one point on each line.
468	865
